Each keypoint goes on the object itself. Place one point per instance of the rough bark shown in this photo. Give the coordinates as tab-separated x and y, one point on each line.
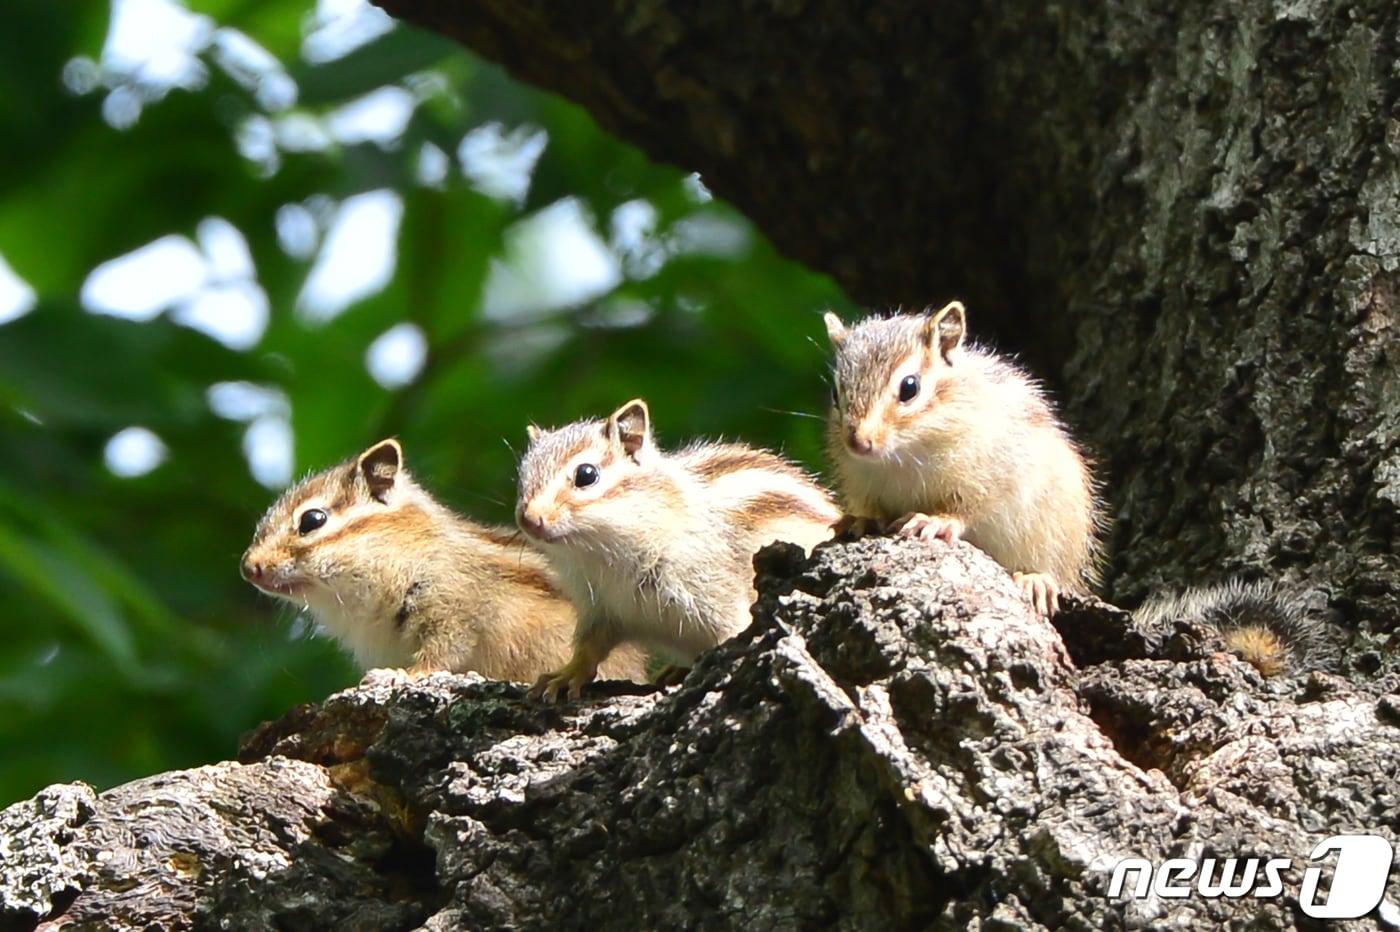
896	742
1185	215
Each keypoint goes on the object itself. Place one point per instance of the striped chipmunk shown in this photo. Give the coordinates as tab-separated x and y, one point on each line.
403	581
657	547
932	436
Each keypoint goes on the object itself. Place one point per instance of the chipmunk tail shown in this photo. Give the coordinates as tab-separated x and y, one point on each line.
1262	623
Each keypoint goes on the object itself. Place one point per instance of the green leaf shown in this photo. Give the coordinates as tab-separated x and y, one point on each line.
75	595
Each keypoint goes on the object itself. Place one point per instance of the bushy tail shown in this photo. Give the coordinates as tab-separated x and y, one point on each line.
1261	623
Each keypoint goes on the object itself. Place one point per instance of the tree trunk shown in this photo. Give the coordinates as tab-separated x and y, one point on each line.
1186	216
897	742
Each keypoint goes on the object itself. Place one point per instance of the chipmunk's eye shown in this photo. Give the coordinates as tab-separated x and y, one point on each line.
311	519
585	475
835	395
908	388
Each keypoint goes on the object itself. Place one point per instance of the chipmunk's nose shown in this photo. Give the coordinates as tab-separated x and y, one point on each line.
530	522
858	442
251	571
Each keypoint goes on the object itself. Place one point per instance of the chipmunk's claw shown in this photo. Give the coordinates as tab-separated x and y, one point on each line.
853	527
388	676
928	527
1042	591
575	675
421	671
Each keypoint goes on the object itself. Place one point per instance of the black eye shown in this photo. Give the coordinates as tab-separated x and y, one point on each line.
311	519
835	395
908	388
585	475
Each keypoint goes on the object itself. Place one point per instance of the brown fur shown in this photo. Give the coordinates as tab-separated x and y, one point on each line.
709	463
529	577
406	582
978	443
660	549
1264	623
501	537
1259	646
409	524
771	506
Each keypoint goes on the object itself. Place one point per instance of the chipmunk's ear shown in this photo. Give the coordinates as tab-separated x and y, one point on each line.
380	465
835	330
944	329
532	432
630	427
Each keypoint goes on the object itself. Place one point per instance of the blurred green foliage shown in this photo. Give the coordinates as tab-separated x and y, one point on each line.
130	644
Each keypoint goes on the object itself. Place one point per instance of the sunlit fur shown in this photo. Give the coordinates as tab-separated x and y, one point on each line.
979	442
659	550
1262	623
406	582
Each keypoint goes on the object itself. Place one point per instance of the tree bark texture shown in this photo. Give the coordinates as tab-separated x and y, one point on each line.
897	742
1185	215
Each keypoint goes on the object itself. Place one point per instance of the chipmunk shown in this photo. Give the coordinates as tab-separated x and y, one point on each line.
402	581
657	547
1260	622
933	437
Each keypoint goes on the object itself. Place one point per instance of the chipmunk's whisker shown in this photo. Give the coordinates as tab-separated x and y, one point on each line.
815	417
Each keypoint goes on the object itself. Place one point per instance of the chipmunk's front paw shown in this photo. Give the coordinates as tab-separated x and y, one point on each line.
671	675
575	675
390	676
1041	589
927	527
852	527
